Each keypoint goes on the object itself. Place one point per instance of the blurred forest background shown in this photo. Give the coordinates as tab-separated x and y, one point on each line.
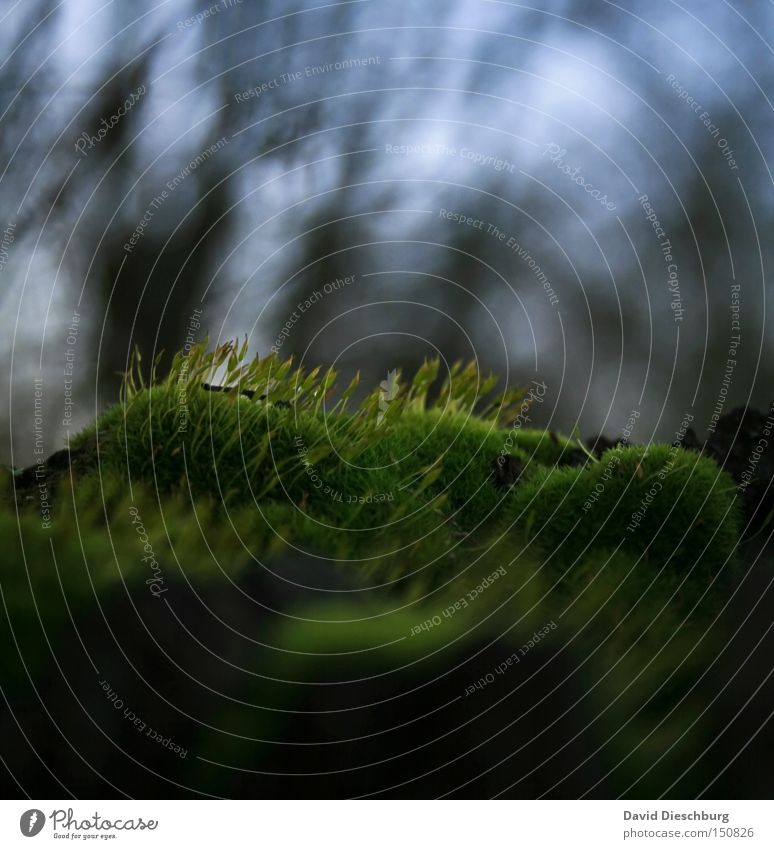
161	158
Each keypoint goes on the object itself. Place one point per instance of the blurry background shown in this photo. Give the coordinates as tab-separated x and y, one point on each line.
162	158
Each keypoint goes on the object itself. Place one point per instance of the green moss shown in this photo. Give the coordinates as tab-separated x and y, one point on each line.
390	483
446	575
672	507
352	470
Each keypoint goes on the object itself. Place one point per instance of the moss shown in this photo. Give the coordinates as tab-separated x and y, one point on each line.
410	479
673	507
347	469
372	550
410	475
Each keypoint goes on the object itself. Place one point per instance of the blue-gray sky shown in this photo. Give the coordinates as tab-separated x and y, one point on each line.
548	123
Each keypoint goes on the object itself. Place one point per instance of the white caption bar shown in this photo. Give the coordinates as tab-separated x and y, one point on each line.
388	824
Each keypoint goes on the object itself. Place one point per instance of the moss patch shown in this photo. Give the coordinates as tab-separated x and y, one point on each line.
433	478
218	556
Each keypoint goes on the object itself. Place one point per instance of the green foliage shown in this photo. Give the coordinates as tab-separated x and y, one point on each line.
299	446
397	497
406	501
672	507
409	473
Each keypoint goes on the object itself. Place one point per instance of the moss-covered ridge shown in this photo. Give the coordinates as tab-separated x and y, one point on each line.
193	559
399	470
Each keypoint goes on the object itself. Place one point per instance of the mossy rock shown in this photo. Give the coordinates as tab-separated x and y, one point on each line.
403	495
269	586
404	474
671	507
